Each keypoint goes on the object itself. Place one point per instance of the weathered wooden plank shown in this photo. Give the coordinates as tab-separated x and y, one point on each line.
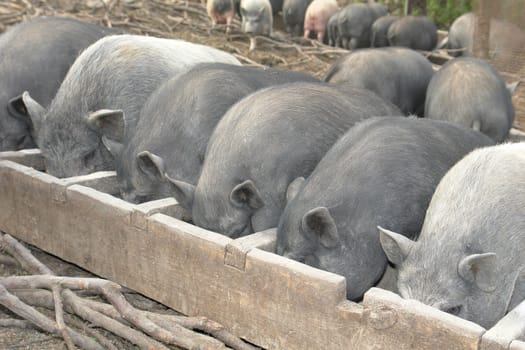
267	299
397	323
30	195
8	175
103	181
237	250
168	206
30	157
517	345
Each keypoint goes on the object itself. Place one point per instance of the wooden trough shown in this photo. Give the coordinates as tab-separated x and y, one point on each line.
266	299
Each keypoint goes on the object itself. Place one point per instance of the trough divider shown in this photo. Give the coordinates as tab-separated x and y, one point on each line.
236	251
168	206
510	327
29	157
517	345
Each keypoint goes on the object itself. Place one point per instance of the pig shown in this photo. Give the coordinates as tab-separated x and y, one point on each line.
383	171
460	35
35	56
504	37
397	74
331	29
181	115
257	19
415	32
277	6
108	83
261	144
221	11
470	92
468	260
353	25
317	15
378	10
293	16
379	31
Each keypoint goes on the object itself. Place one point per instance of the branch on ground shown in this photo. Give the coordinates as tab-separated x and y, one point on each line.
146	329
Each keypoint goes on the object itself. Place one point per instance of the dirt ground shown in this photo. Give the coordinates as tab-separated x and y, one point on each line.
184	20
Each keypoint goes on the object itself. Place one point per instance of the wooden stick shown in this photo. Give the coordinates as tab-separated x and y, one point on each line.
25	311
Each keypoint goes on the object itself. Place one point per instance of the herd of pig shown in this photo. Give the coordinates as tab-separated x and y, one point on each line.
354	26
347	179
360	25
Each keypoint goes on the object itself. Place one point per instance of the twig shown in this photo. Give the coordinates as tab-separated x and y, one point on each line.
8	261
43	298
119	314
108	345
246	59
16	323
25	311
100	320
27	260
202	324
59	316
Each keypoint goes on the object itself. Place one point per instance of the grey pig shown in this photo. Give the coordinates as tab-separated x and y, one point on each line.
353	25
379	31
108	83
468	260
504	37
262	143
415	32
257	19
397	74
293	15
177	121
35	56
383	171
468	91
332	31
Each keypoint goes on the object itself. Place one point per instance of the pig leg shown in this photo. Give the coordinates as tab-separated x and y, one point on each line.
229	20
306	33
253	43
344	43
352	44
320	36
297	30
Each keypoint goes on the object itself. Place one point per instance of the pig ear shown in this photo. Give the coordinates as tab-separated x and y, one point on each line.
151	165
17	108
395	246
108	122
513	86
114	147
182	191
480	269
24	108
293	188
246	193
321	224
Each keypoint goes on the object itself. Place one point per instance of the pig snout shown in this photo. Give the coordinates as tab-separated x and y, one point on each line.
251	27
